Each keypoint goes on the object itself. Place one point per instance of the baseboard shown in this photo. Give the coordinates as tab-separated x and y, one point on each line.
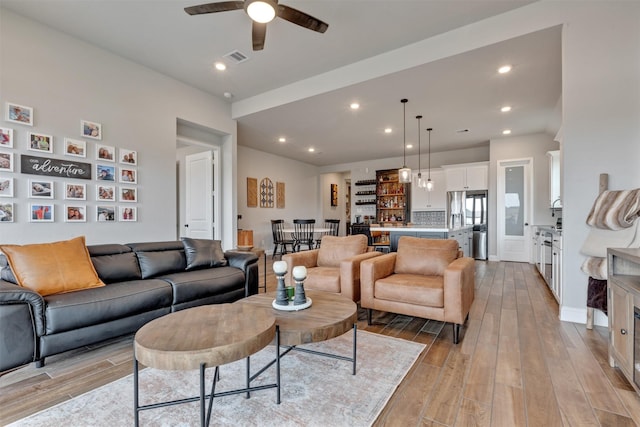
493	258
579	315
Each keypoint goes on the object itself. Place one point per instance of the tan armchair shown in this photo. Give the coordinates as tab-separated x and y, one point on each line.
335	267
425	278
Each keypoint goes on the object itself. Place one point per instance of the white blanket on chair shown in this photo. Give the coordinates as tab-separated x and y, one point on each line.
599	240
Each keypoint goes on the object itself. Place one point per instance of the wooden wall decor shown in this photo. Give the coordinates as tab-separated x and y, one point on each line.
266	193
334	194
280	195
252	192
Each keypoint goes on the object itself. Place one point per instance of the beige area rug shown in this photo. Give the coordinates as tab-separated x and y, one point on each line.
316	391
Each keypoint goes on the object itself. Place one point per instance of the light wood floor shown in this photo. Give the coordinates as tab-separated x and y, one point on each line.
516	365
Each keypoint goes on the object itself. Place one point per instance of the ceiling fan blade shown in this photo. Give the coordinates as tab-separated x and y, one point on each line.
258	34
223	6
300	18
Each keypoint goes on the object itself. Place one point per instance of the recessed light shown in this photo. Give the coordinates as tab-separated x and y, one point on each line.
220	66
506	132
506	109
228	95
409	146
311	150
282	139
354	106
388	130
504	69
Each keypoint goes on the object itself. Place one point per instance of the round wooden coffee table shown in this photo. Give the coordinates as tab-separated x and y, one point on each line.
200	338
330	316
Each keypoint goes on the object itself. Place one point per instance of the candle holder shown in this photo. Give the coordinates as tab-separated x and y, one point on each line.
280	269
299	276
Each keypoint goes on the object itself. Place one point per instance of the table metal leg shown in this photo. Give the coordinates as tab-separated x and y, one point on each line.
202	394
135	392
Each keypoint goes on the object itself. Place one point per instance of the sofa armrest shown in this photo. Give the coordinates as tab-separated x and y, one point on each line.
371	270
459	289
248	263
350	274
13	294
308	259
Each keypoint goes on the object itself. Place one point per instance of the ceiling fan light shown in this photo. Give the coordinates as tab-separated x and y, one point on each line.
261	11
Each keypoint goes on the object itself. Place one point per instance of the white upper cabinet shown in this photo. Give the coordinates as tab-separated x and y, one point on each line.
434	200
555	191
465	177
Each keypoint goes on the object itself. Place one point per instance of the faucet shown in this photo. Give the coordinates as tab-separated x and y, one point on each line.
553	207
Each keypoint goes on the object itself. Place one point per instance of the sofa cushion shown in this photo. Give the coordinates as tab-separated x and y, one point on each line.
156	258
427	257
52	268
334	249
198	284
323	279
76	310
203	253
411	289
115	263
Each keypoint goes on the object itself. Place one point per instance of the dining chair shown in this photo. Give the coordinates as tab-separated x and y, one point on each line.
303	233
279	240
333	225
366	230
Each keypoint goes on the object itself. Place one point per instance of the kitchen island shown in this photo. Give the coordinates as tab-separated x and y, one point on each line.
463	235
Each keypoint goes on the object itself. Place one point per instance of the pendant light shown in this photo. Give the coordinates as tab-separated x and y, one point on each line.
429	184
404	173
421	182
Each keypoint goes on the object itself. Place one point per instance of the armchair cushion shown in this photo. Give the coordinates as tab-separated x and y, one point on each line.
335	249
411	289
425	257
324	279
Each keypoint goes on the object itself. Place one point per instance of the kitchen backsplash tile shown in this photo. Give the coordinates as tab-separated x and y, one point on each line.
430	218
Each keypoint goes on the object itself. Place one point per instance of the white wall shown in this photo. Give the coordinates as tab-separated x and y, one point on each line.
66	80
333	212
302	192
518	147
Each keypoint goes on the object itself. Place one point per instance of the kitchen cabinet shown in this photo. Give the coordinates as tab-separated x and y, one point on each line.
392	197
434	200
555	190
535	253
467	177
623	294
556	267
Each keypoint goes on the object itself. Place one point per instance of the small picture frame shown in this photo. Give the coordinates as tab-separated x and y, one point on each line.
75	147
90	129
129	176
6	162
6	212
39	189
106	153
75	213
20	114
41	213
128	194
128	213
73	191
6	138
106	193
105	213
6	186
40	142
127	156
105	173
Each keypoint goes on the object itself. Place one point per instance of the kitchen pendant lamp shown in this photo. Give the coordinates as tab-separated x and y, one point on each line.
429	184
404	173
421	182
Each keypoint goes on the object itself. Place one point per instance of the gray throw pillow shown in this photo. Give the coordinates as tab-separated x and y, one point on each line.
202	253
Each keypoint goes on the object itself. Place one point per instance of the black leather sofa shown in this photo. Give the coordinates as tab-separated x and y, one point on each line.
143	281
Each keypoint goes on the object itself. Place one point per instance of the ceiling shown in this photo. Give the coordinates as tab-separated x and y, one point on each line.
455	93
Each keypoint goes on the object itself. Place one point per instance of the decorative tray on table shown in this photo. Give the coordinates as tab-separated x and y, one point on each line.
292	307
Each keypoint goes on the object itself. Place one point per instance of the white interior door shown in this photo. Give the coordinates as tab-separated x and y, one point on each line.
514	209
202	201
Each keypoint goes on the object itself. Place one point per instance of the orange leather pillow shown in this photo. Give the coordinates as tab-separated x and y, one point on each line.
53	268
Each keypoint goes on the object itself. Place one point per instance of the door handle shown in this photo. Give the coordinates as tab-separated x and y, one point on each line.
186	225
623	331
526	224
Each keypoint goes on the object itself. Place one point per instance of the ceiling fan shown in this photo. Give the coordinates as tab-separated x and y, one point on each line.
261	12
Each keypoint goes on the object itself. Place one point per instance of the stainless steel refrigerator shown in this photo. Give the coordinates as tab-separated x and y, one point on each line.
476	204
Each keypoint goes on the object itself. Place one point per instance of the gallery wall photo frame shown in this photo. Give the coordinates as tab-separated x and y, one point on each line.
73	191
128	194
105	213
40	189
75	147
91	129
75	213
6	162
129	176
41	212
6	212
106	193
106	153
40	142
6	186
105	173
128	156
128	214
21	114
6	137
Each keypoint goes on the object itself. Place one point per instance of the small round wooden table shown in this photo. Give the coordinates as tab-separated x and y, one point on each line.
200	338
330	316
